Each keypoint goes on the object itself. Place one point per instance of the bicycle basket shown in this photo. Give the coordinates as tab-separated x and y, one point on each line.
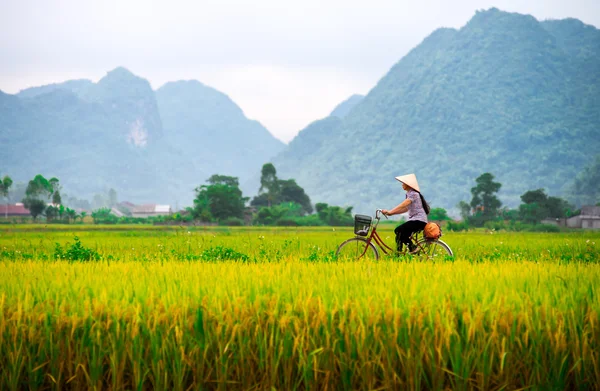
362	224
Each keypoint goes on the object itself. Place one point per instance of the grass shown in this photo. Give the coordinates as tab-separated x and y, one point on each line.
272	308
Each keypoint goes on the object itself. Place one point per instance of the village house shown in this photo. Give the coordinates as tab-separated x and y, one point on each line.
14	210
150	210
588	219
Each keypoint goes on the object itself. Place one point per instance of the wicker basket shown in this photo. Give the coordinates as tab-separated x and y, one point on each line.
362	224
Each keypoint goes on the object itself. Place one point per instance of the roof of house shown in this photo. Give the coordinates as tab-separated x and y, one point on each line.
14	209
151	208
590	211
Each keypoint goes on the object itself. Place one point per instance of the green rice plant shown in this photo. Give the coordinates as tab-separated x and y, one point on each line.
186	309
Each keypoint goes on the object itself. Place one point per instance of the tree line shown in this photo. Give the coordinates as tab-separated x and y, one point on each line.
485	209
283	202
278	202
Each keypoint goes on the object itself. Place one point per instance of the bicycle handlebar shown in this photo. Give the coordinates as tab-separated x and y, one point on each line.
377	212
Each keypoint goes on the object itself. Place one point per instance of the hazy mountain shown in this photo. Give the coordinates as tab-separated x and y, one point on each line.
505	94
344	108
94	136
212	132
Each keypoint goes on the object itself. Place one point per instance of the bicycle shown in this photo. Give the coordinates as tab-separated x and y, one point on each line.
360	247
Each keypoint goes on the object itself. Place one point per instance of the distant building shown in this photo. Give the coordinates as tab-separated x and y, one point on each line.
588	219
14	210
116	212
149	210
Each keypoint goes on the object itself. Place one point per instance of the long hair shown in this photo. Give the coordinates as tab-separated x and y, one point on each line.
426	206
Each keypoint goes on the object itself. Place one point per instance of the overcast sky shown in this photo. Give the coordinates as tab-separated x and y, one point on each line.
285	63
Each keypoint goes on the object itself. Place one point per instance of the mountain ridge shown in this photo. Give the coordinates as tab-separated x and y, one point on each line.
491	96
110	134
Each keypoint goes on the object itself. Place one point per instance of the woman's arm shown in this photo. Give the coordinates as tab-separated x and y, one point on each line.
401	208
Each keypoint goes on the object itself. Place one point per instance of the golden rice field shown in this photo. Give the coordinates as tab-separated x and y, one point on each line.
272	309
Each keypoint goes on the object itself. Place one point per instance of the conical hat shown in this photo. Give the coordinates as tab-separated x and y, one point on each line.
410	180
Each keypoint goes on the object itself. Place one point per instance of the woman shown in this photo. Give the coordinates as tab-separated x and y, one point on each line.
417	209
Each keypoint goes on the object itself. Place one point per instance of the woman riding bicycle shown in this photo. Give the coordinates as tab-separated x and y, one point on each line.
417	209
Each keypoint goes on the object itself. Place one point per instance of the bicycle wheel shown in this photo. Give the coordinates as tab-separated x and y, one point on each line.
357	248
434	249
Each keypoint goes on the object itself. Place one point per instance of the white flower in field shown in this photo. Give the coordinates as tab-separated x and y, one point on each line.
333	229
189	233
133	249
587	241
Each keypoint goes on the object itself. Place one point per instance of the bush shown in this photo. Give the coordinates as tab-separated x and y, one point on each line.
232	222
545	228
75	252
287	222
457	226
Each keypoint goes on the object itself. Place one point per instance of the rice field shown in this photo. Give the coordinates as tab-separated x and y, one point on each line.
88	307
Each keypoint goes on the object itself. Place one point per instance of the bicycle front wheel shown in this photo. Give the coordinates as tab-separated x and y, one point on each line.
357	249
434	249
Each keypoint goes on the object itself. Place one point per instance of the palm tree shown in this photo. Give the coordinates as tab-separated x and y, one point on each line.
5	185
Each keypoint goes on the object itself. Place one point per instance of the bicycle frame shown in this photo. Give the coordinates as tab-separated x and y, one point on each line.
374	237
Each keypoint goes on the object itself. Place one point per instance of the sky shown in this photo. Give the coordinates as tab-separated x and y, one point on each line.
285	63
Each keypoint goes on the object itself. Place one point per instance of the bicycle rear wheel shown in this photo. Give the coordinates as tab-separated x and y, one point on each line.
357	249
434	249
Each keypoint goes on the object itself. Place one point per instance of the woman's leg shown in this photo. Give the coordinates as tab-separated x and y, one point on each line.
404	231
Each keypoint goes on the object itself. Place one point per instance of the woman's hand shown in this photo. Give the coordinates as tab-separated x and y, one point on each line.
385	212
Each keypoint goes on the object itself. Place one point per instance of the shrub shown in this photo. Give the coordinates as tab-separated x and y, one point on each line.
75	252
232	222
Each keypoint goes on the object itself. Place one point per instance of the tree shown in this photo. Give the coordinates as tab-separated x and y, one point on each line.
40	186
35	206
274	191
484	202
334	215
51	212
269	183
71	214
222	198
291	192
5	185
438	214
538	206
38	189
465	210
223	180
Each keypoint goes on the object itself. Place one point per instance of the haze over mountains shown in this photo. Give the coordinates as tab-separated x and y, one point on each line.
505	94
119	133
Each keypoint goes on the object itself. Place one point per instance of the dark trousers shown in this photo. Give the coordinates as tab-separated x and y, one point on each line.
403	232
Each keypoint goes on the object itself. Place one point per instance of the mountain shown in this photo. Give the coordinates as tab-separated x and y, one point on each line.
212	132
119	133
344	108
504	94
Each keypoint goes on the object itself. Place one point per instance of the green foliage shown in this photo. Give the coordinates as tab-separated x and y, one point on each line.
232	222
35	206
40	187
5	184
104	216
484	202
220	253
75	252
221	199
274	191
538	206
438	214
274	214
334	215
